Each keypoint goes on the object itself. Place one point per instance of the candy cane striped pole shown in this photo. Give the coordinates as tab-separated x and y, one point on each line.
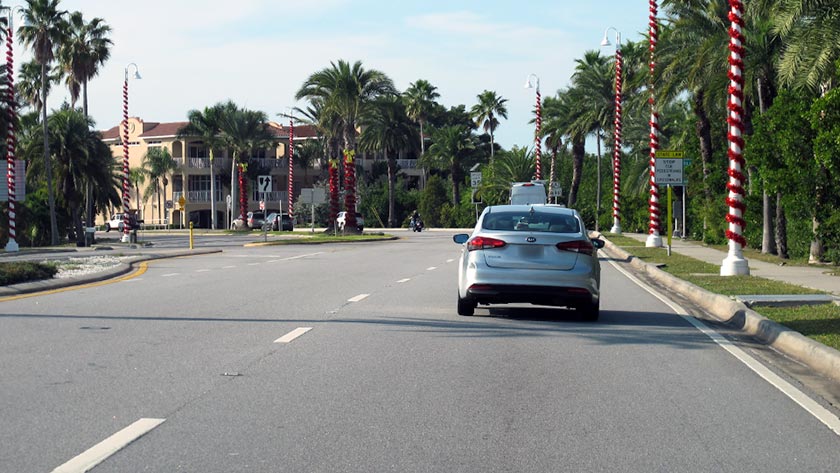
291	170
11	141
126	205
616	228
537	135
735	264
653	239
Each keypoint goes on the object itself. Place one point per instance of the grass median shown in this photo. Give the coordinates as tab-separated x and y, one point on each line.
820	322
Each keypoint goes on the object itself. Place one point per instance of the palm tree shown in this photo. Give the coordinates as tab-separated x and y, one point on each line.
207	125
28	85
158	164
484	113
451	146
419	100
87	48
45	27
516	165
386	127
137	177
243	131
809	29
347	90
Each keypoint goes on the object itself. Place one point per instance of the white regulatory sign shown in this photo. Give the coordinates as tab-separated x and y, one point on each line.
264	183
475	178
669	171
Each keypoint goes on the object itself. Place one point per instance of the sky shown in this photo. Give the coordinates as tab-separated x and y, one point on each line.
258	53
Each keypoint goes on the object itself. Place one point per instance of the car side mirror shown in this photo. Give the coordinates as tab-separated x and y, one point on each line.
598	243
461	238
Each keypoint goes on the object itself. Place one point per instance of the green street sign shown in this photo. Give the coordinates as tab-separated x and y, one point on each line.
669	153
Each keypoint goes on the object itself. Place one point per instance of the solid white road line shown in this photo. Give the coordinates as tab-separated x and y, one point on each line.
357	298
274	261
169	275
293	335
431	268
104	449
302	256
815	409
404	280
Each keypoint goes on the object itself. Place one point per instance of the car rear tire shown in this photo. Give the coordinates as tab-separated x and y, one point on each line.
466	307
590	311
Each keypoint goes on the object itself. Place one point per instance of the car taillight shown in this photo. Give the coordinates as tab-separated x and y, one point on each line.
578	246
484	243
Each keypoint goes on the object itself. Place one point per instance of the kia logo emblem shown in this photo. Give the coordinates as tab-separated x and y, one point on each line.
530	239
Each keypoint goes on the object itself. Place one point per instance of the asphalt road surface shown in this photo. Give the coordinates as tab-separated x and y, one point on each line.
351	358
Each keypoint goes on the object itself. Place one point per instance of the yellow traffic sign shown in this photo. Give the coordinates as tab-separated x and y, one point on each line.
669	153
182	201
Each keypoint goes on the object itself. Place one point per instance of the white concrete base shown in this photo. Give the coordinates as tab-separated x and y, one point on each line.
126	238
653	241
616	228
11	246
734	265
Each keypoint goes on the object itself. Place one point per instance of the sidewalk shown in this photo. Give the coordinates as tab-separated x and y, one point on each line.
805	276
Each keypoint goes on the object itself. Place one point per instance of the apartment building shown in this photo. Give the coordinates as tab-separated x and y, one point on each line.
190	182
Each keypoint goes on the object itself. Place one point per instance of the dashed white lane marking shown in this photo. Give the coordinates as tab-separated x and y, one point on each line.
274	261
404	280
431	268
228	267
131	280
104	449
815	409
169	275
357	298
303	256
293	335
201	270
253	264
450	260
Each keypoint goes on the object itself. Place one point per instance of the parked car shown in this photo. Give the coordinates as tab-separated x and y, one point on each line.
276	222
255	219
538	254
342	217
116	222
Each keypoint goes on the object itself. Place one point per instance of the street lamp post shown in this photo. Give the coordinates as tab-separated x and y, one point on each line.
537	138
616	228
654	240
735	264
126	204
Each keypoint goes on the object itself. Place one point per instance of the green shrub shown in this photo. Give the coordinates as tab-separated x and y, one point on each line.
24	271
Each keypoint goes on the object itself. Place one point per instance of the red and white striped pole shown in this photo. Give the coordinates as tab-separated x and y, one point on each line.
291	169
11	141
616	228
126	223
538	135
735	264
654	239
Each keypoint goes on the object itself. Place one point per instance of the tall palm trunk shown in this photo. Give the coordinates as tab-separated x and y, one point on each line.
598	183
456	173
703	129
47	158
578	152
767	241
781	228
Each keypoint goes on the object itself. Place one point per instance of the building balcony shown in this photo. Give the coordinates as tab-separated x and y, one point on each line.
202	163
197	197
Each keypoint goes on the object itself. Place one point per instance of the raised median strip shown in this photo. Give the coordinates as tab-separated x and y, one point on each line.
818	357
786	300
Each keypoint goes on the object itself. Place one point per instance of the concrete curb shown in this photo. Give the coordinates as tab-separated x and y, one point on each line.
116	271
816	356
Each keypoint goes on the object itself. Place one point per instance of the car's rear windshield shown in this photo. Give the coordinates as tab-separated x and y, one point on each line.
531	221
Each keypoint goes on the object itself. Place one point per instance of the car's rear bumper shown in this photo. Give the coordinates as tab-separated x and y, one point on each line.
540	295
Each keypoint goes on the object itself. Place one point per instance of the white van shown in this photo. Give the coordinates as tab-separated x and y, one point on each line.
527	193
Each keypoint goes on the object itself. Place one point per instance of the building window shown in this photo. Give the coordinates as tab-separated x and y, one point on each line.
197	150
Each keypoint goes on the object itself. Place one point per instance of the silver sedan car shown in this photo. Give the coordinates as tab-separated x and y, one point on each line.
538	254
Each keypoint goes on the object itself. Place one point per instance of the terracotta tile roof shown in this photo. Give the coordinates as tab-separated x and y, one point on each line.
154	130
